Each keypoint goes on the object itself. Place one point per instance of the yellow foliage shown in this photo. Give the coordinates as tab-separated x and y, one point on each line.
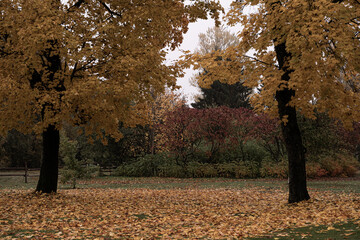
155	112
88	63
322	38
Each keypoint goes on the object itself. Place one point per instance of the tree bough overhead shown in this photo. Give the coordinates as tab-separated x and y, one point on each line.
306	59
89	63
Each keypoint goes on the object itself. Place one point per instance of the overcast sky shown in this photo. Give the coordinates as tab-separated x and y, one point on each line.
191	43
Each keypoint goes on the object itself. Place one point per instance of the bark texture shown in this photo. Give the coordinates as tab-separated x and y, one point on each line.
50	160
291	132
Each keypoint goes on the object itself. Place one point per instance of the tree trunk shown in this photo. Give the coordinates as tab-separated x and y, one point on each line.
291	132
50	160
151	140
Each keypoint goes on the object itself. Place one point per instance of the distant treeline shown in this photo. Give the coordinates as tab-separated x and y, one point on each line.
202	143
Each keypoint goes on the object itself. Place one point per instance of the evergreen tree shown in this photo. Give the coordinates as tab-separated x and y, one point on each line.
220	94
223	94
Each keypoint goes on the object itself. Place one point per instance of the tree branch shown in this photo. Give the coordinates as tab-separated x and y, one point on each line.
109	10
73	72
76	5
257	60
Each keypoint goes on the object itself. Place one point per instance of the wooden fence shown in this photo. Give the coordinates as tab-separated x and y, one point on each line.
26	172
107	171
20	171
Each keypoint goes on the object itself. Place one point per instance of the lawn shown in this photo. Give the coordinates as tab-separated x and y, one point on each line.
157	208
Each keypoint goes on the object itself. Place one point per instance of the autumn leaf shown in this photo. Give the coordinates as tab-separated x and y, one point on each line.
169	213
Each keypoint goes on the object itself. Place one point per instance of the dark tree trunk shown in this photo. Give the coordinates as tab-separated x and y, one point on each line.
51	139
151	140
291	132
50	160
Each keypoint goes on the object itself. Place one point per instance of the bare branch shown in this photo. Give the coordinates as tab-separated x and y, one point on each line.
257	60
76	5
73	72
109	10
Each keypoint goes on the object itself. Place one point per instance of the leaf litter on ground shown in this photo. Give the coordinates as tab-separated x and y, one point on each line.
167	213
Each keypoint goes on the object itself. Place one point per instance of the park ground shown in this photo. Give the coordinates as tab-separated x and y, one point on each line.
168	208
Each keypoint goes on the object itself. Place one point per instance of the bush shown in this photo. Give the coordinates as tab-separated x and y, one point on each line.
248	161
336	165
141	167
332	165
275	169
73	168
340	165
172	170
235	170
199	170
152	165
315	170
243	152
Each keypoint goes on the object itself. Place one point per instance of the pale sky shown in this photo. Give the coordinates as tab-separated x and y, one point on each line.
190	43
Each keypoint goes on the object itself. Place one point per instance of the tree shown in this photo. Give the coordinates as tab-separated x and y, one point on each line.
220	93
216	39
22	149
180	131
156	111
73	168
187	131
306	58
88	63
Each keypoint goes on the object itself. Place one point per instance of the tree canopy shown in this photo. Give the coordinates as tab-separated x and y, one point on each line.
305	56
322	39
219	93
89	63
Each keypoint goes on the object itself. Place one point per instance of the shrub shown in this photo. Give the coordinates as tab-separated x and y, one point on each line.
238	170
172	170
241	170
142	167
73	168
232	165
227	170
340	165
336	165
198	170
275	169
315	170
152	165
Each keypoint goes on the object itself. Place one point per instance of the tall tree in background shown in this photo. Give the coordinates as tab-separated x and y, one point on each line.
89	63
306	58
222	94
219	93
156	111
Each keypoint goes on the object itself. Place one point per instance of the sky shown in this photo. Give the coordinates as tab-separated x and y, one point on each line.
190	43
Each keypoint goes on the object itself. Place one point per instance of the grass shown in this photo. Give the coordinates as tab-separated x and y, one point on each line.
329	184
347	230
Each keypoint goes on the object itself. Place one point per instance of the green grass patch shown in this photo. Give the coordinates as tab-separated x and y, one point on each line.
328	184
336	185
25	233
346	230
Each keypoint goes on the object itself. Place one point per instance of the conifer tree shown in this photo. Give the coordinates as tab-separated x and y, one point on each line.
220	93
